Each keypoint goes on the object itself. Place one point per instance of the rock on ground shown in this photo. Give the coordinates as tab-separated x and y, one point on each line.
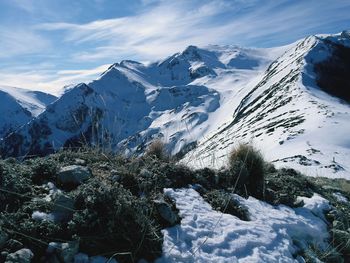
23	255
73	175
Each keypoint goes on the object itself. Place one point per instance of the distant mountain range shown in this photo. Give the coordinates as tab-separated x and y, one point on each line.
292	102
20	106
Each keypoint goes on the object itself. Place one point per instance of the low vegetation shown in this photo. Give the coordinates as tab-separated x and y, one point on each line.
120	210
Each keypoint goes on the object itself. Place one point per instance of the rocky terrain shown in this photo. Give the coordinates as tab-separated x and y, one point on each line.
89	206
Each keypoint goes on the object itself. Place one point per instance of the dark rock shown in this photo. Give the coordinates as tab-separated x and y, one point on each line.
73	175
166	212
63	207
65	252
21	256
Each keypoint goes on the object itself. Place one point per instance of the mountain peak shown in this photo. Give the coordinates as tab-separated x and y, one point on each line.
224	93
345	34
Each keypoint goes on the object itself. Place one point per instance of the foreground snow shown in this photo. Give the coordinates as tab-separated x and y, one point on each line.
274	234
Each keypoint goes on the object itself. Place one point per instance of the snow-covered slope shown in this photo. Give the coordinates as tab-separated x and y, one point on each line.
19	106
177	99
288	116
203	101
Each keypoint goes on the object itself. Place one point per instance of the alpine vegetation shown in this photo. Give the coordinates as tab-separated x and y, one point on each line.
90	205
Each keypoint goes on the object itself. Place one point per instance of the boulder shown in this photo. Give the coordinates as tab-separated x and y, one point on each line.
65	252
23	255
79	161
63	203
73	175
63	207
166	212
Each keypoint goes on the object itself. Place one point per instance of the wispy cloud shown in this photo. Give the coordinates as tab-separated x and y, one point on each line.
156	29
169	27
51	81
153	33
16	41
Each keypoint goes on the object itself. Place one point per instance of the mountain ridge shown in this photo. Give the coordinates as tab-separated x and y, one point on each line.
205	97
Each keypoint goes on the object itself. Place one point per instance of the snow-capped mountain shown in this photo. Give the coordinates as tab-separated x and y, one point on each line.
289	115
203	101
132	103
20	106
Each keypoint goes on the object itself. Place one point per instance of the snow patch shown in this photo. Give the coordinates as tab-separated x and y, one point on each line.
340	197
274	234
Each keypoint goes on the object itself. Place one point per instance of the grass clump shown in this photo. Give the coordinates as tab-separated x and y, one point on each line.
247	169
157	149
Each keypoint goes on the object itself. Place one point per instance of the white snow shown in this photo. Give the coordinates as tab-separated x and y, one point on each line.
340	197
42	216
304	128
19	106
274	234
33	101
213	97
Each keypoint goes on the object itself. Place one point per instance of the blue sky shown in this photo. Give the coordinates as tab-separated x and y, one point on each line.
46	44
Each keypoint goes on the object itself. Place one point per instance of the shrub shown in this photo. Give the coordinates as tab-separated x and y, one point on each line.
43	170
226	203
247	167
110	219
175	175
285	185
15	184
157	149
206	177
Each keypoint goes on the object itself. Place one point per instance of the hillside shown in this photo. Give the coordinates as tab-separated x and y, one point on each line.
89	206
203	101
290	115
20	106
